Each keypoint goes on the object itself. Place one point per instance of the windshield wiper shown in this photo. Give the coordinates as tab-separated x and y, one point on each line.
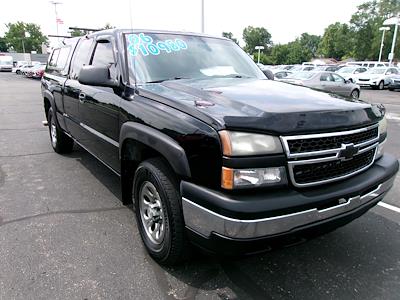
167	79
232	76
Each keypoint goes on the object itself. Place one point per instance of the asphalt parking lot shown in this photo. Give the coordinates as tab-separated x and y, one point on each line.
64	233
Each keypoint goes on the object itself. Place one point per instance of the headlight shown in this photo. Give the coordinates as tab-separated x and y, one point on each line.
255	177
243	144
383	127
382	137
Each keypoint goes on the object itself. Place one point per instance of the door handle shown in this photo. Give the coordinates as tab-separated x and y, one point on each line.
82	97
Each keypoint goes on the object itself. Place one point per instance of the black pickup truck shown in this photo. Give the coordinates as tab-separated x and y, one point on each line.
209	150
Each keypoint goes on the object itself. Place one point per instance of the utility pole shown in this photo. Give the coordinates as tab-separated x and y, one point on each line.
55	3
202	16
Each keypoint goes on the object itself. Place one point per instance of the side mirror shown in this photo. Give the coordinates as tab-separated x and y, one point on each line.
96	76
347	81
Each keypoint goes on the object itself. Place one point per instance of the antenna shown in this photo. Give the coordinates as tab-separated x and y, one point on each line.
134	57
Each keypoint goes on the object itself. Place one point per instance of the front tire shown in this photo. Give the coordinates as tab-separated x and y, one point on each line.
381	85
158	212
60	142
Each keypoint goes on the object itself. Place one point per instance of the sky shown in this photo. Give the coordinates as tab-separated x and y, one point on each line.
284	19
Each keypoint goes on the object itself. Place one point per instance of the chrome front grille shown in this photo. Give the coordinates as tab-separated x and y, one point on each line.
321	158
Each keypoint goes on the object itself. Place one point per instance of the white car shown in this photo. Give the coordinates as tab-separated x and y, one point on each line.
377	78
349	73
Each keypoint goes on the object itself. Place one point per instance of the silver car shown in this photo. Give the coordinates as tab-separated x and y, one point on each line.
325	81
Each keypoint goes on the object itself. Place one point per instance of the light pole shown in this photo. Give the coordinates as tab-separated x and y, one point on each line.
55	3
202	16
393	21
259	48
383	29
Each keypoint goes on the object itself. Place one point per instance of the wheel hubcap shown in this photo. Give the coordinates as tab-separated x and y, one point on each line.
53	133
151	213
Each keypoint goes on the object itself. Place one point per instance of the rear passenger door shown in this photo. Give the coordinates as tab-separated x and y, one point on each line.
99	109
72	88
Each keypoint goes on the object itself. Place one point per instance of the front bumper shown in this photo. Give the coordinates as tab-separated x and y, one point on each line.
367	83
262	215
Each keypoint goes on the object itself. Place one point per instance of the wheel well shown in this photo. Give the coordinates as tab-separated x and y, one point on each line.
47	106
132	154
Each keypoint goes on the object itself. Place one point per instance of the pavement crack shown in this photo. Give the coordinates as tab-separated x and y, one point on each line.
29	154
61	212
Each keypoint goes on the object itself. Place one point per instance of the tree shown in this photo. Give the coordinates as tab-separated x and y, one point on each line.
108	26
365	24
77	32
3	45
22	35
310	42
336	41
229	35
256	36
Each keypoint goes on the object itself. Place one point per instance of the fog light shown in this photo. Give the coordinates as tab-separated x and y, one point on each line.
381	149
246	178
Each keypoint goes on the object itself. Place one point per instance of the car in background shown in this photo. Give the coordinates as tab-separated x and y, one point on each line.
20	70
18	65
394	83
36	71
6	63
348	73
300	68
376	78
325	81
328	68
280	74
367	64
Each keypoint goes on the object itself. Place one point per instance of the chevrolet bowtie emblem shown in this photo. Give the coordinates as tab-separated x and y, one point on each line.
347	151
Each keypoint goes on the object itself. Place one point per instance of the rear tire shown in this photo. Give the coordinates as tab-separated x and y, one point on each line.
18	72
60	142
355	94
157	203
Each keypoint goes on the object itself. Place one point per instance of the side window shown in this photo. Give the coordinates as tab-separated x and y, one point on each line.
337	78
81	57
104	57
325	77
62	58
54	57
395	71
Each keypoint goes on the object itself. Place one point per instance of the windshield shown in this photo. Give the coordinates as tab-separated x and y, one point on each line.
154	57
5	62
376	71
346	70
301	75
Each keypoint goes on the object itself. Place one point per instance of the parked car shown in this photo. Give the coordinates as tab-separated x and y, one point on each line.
325	81
328	68
18	65
21	70
376	78
300	68
368	64
394	83
349	73
6	63
35	71
280	74
208	151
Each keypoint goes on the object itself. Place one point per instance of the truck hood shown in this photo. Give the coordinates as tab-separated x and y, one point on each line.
262	105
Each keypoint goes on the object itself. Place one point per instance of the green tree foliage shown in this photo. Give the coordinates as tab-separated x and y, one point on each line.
336	41
256	36
3	45
77	32
365	24
16	33
108	26
229	35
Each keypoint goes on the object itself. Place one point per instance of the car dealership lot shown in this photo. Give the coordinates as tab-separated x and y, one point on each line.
65	234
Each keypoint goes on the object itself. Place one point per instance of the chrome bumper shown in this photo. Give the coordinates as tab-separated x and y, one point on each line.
205	221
